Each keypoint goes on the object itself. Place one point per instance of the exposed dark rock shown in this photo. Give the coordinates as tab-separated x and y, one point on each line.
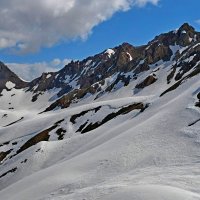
158	52
171	75
178	83
193	123
148	81
75	117
5	143
122	111
8	172
186	32
71	97
24	161
42	136
198	95
7	75
120	78
5	115
3	155
187	66
14	143
35	97
82	127
61	132
197	104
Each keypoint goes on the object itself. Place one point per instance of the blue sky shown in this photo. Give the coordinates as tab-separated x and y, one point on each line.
138	25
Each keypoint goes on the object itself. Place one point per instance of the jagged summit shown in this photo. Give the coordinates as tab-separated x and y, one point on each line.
125	58
7	77
184	36
186	27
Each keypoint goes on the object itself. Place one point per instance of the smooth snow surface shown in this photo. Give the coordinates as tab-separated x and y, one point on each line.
155	192
10	85
149	155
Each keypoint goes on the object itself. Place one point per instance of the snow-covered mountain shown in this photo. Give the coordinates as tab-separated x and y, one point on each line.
123	124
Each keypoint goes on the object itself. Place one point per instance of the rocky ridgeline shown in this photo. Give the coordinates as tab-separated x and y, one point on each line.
88	76
8	77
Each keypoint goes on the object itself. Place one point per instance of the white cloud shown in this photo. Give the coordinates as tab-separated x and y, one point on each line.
26	26
66	61
141	3
56	62
30	71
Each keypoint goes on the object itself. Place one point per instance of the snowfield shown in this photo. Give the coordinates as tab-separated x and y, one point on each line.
145	156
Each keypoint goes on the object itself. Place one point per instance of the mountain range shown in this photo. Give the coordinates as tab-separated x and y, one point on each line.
122	124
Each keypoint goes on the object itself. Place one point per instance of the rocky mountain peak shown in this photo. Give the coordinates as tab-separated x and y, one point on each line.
4	69
126	45
184	36
9	77
125	58
187	28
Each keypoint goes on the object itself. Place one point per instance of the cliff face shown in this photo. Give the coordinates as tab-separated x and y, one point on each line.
9	79
124	63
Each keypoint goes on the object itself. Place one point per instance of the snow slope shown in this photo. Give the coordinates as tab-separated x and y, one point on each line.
134	142
129	157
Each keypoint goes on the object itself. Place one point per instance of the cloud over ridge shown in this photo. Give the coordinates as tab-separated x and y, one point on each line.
30	71
26	26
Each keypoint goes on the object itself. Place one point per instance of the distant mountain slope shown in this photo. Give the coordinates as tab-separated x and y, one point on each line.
118	66
123	124
9	80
